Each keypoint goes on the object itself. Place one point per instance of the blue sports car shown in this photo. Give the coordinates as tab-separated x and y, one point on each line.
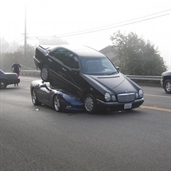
60	100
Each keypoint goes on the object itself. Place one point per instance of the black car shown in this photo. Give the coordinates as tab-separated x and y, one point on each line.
89	75
7	78
166	81
60	100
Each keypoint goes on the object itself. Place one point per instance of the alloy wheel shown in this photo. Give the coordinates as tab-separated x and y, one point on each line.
57	104
168	86
89	103
44	74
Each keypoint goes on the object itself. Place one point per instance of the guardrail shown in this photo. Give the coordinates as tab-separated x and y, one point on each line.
132	77
144	77
30	72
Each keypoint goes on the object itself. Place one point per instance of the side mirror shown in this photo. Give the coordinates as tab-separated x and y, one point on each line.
117	68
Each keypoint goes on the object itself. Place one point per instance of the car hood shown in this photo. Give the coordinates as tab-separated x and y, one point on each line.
117	83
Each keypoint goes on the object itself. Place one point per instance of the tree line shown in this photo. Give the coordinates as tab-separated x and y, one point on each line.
135	55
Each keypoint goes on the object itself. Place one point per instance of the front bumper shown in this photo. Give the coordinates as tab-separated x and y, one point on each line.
119	106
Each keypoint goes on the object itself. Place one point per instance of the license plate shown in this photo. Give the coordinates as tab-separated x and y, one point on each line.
127	105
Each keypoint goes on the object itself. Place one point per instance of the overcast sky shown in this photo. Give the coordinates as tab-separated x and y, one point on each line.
97	19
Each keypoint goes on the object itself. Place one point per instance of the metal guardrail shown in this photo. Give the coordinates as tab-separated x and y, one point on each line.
132	77
30	72
144	77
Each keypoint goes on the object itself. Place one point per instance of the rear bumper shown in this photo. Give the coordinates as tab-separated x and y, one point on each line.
119	106
16	81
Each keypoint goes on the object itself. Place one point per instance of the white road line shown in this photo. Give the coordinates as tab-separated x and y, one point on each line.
169	97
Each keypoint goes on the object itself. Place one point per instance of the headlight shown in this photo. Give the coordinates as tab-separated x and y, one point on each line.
141	93
113	98
107	96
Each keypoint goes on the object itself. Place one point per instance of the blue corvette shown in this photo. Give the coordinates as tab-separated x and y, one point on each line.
58	99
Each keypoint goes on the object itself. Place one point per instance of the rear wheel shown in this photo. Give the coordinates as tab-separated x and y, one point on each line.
89	103
44	74
3	84
57	104
167	86
34	98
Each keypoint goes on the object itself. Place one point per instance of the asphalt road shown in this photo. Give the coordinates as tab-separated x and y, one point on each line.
40	139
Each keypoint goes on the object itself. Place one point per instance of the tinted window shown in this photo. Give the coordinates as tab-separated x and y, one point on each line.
71	60
97	66
58	55
66	57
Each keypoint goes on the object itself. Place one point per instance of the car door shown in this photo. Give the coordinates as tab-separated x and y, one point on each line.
43	93
56	58
71	72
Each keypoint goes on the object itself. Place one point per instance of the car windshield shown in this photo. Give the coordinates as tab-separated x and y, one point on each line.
97	66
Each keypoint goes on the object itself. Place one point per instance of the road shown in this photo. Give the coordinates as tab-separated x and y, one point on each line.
39	139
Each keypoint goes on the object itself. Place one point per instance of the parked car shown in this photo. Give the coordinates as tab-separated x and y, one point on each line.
60	100
7	78
166	81
89	75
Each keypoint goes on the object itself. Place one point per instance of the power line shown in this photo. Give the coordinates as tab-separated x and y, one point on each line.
115	25
120	24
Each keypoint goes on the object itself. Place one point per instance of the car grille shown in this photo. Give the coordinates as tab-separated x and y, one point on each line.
127	97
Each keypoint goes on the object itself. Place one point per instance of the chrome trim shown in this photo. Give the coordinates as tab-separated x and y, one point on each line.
126	97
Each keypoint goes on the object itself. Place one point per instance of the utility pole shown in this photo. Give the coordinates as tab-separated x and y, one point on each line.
25	31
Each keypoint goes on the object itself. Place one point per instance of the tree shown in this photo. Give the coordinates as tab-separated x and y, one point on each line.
137	56
7	59
4	45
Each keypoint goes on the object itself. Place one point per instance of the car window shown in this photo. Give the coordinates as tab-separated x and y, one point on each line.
58	55
65	57
71	60
97	66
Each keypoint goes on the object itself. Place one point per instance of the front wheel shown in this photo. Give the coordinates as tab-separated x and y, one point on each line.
57	104
34	98
167	86
89	103
3	84
44	74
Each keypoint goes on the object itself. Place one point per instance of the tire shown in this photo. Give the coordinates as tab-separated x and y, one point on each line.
44	74
167	86
34	98
57	104
3	84
89	103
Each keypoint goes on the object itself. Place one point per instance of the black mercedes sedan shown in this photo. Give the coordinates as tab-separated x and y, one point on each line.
88	74
7	78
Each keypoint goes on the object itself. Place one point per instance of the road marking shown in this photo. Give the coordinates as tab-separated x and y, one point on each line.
155	108
169	97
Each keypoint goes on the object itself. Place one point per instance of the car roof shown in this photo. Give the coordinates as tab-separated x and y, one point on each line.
79	50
